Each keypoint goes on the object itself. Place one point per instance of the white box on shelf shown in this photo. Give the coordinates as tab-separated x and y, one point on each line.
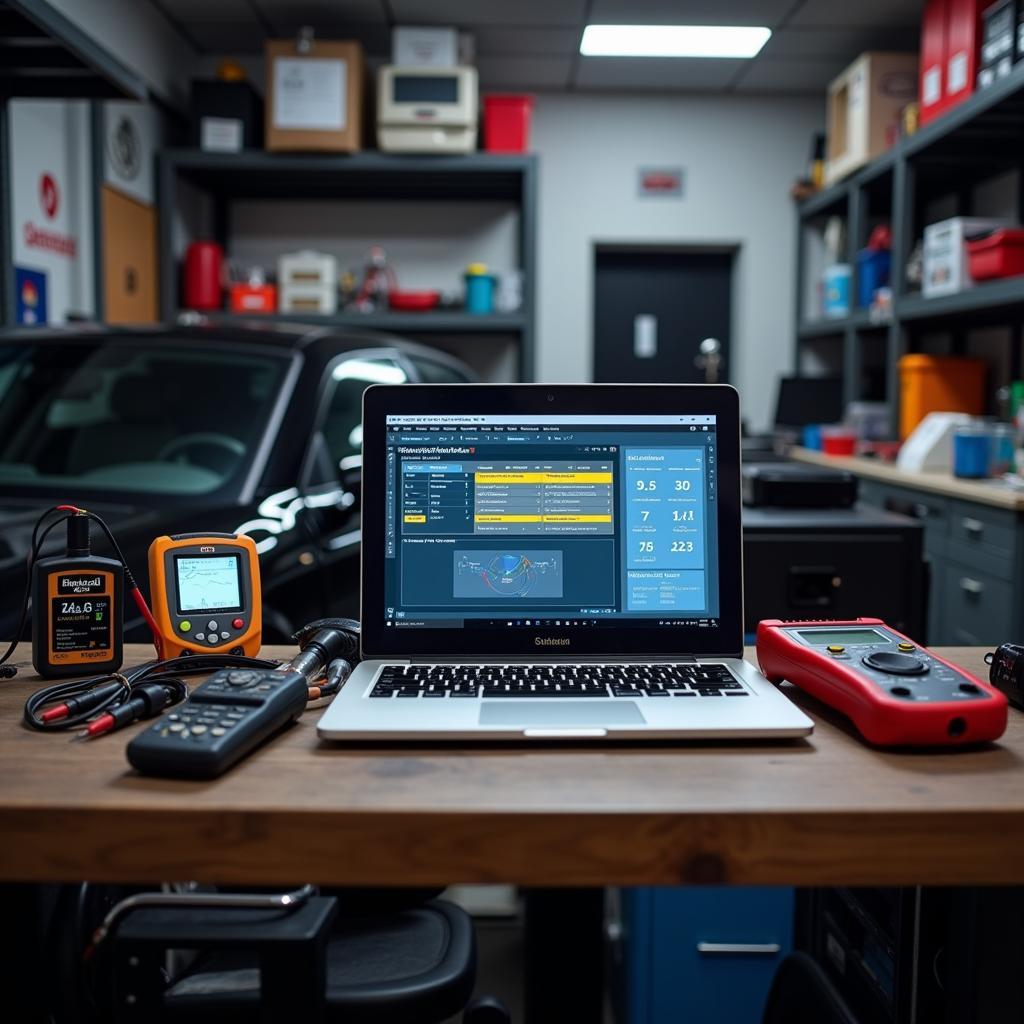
307	282
419	46
308	298
946	269
427	110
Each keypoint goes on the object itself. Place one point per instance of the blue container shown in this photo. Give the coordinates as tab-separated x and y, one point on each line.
480	293
972	448
812	437
873	269
837	291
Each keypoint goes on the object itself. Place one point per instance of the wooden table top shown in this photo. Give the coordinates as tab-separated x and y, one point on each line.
825	810
987	492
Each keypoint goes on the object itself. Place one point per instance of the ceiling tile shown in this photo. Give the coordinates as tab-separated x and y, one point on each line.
488	12
227	38
836	42
285	15
204	12
810	76
656	74
505	39
524	72
870	13
689	12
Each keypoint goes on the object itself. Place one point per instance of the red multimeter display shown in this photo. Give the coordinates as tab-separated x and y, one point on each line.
897	692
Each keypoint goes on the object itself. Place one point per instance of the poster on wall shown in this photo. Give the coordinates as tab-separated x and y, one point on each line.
30	296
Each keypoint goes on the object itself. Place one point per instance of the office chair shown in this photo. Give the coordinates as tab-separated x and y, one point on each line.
802	994
263	957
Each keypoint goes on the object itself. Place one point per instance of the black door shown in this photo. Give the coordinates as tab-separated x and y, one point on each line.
652	310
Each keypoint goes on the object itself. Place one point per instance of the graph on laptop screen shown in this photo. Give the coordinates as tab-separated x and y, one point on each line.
570	520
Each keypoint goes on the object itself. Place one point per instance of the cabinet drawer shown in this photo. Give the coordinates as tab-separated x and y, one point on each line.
977	607
700	956
931	509
980	528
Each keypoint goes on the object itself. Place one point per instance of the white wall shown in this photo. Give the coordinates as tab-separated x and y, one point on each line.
51	137
140	37
740	158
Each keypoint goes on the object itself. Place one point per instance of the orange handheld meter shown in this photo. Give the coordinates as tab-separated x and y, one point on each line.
205	592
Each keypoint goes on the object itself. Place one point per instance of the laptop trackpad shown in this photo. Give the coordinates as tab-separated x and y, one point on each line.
581	713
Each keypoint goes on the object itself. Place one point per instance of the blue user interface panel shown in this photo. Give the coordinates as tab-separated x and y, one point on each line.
561	520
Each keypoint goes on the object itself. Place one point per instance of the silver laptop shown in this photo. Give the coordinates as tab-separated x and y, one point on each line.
553	563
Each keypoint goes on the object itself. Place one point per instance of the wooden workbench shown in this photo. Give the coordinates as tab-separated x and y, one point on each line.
824	810
985	492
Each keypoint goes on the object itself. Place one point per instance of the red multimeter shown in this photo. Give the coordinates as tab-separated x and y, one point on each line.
896	692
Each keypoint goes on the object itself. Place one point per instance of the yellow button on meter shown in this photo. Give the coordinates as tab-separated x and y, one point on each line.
184	625
835	649
906	647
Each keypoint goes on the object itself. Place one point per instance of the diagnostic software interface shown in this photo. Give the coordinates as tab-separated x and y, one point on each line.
558	520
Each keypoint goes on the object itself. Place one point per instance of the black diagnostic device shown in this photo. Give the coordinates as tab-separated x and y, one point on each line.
224	719
77	608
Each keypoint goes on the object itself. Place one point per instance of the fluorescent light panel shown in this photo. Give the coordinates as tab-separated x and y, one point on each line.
673	40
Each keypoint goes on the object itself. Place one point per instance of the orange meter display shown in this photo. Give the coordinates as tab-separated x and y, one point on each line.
205	591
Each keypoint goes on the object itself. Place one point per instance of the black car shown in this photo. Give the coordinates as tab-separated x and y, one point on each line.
240	428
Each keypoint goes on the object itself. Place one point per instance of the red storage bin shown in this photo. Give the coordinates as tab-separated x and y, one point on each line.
1000	254
932	92
963	49
252	298
507	123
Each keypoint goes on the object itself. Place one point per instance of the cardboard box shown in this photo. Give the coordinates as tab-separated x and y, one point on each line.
946	269
314	100
932	93
863	103
415	46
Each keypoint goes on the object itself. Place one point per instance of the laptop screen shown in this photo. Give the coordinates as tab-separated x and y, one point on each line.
515	522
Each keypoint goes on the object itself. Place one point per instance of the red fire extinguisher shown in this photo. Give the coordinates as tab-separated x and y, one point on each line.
203	268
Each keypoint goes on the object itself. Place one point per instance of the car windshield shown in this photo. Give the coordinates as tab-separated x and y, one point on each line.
131	414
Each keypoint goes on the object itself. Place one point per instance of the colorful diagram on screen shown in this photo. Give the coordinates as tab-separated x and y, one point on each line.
508	574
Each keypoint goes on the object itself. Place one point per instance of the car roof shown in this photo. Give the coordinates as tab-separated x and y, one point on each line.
319	343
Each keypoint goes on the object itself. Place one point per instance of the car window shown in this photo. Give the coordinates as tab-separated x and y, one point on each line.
431	372
348	379
142	415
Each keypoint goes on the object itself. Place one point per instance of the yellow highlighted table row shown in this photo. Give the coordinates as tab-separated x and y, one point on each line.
483	479
415	519
542	519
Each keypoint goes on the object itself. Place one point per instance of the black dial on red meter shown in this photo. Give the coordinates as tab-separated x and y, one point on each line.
895	664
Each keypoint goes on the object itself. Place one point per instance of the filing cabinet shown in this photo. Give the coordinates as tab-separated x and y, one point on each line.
975	552
700	955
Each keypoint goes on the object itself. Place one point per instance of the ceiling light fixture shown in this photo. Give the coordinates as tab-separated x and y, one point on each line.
673	40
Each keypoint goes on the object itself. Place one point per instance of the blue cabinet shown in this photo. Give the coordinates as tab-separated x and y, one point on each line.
699	955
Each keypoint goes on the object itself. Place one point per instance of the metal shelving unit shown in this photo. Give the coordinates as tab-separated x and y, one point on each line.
440	322
977	140
376	177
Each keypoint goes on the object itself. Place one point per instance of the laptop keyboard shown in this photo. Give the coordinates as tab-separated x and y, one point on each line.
449	681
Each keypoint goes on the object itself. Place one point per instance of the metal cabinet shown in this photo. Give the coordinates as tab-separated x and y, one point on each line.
703	956
975	553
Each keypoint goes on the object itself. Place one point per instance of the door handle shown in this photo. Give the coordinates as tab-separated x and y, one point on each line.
738	948
645	336
970	586
971	525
